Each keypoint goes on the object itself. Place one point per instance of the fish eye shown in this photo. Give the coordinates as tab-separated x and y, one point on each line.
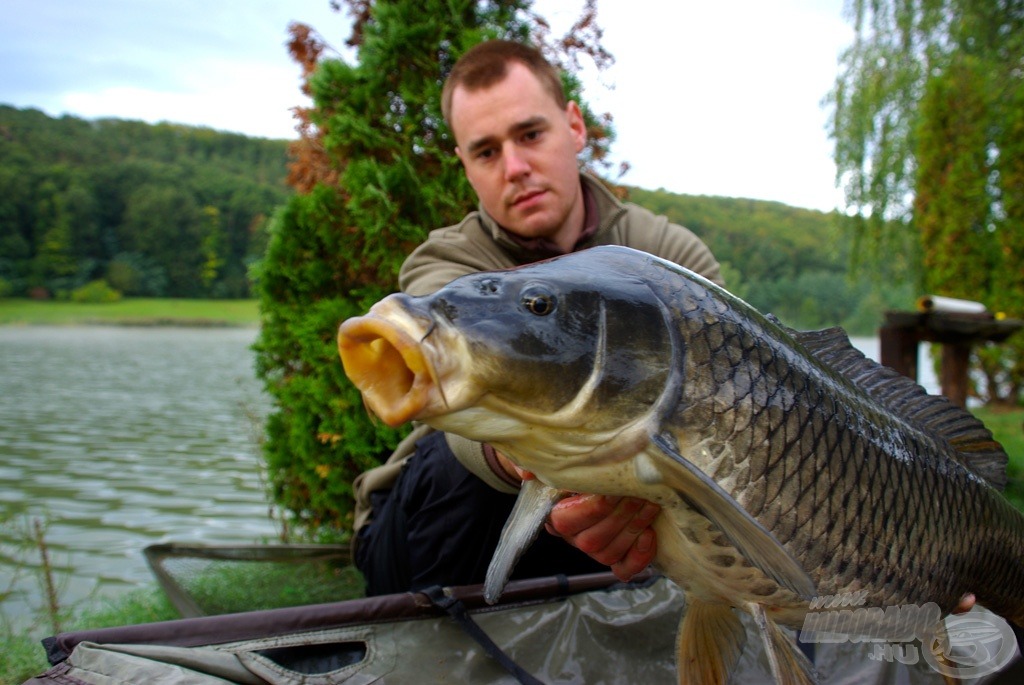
538	301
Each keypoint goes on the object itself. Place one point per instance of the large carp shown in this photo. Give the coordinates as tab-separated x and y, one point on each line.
788	465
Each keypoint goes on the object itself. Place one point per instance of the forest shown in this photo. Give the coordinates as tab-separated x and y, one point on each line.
791	262
175	211
113	207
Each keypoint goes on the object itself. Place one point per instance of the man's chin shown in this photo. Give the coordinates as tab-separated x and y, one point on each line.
536	224
531	232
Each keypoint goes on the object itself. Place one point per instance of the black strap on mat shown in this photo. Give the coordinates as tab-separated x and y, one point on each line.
457	610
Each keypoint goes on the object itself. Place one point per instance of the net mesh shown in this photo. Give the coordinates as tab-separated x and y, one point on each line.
209	580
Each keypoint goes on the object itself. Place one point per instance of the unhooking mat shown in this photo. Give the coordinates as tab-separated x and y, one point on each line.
585	629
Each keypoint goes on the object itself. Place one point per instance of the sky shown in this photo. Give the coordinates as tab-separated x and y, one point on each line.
707	98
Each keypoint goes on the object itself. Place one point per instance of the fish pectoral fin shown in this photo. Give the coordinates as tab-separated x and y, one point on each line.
531	509
746	534
789	665
710	641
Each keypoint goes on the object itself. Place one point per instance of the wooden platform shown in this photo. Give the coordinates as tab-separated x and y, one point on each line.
903	331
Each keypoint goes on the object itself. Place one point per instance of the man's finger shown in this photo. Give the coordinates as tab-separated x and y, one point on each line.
966	604
639	556
578	513
610	540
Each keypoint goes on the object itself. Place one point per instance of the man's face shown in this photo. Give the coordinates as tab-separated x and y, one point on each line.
519	151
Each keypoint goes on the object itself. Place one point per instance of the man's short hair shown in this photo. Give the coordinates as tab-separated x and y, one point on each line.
486	64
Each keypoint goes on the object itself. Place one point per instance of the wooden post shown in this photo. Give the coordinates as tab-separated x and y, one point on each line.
897	348
953	374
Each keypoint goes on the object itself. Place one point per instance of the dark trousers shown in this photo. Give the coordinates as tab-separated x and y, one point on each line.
440	524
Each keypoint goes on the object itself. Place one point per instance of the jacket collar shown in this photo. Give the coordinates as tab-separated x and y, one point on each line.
601	209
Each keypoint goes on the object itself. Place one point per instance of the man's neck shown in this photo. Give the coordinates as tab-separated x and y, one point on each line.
585	222
570	233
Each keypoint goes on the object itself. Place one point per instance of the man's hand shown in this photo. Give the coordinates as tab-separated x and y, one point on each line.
615	531
966	604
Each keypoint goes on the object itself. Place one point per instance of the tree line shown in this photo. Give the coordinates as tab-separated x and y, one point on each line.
928	124
787	261
147	210
166	210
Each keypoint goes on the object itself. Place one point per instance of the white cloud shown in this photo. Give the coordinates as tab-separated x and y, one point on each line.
709	98
239	98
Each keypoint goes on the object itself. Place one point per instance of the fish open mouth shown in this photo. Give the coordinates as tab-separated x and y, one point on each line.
388	366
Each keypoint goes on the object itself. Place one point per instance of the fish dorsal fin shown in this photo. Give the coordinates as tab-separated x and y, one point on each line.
975	447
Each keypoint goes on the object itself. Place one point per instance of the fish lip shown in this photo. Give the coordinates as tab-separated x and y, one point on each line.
385	361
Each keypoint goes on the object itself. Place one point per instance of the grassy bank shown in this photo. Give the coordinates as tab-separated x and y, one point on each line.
231	588
22	655
1007	425
131	311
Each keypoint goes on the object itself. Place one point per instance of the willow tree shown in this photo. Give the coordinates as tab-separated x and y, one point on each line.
927	125
374	170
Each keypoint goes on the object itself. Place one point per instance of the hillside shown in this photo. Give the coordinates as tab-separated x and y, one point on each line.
174	211
157	210
788	261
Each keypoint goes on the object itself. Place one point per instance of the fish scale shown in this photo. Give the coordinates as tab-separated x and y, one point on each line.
787	465
799	428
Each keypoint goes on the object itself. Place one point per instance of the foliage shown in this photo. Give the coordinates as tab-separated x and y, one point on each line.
788	261
156	210
374	170
95	292
928	143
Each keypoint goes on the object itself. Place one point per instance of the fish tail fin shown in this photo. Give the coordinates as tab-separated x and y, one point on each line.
710	641
788	664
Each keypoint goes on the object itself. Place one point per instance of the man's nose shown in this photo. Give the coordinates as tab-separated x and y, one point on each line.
516	165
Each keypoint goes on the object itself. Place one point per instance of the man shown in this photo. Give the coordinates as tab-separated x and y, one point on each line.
518	140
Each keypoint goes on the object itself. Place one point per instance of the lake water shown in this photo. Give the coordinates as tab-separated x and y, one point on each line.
123	437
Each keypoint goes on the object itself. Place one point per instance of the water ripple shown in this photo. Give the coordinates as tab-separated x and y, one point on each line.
120	438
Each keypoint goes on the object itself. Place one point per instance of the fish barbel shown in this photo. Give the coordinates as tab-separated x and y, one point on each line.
787	465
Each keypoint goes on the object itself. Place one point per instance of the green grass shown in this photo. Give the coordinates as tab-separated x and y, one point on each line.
22	656
232	587
1007	425
130	311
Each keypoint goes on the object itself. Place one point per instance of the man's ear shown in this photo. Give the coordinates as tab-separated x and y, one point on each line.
576	124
